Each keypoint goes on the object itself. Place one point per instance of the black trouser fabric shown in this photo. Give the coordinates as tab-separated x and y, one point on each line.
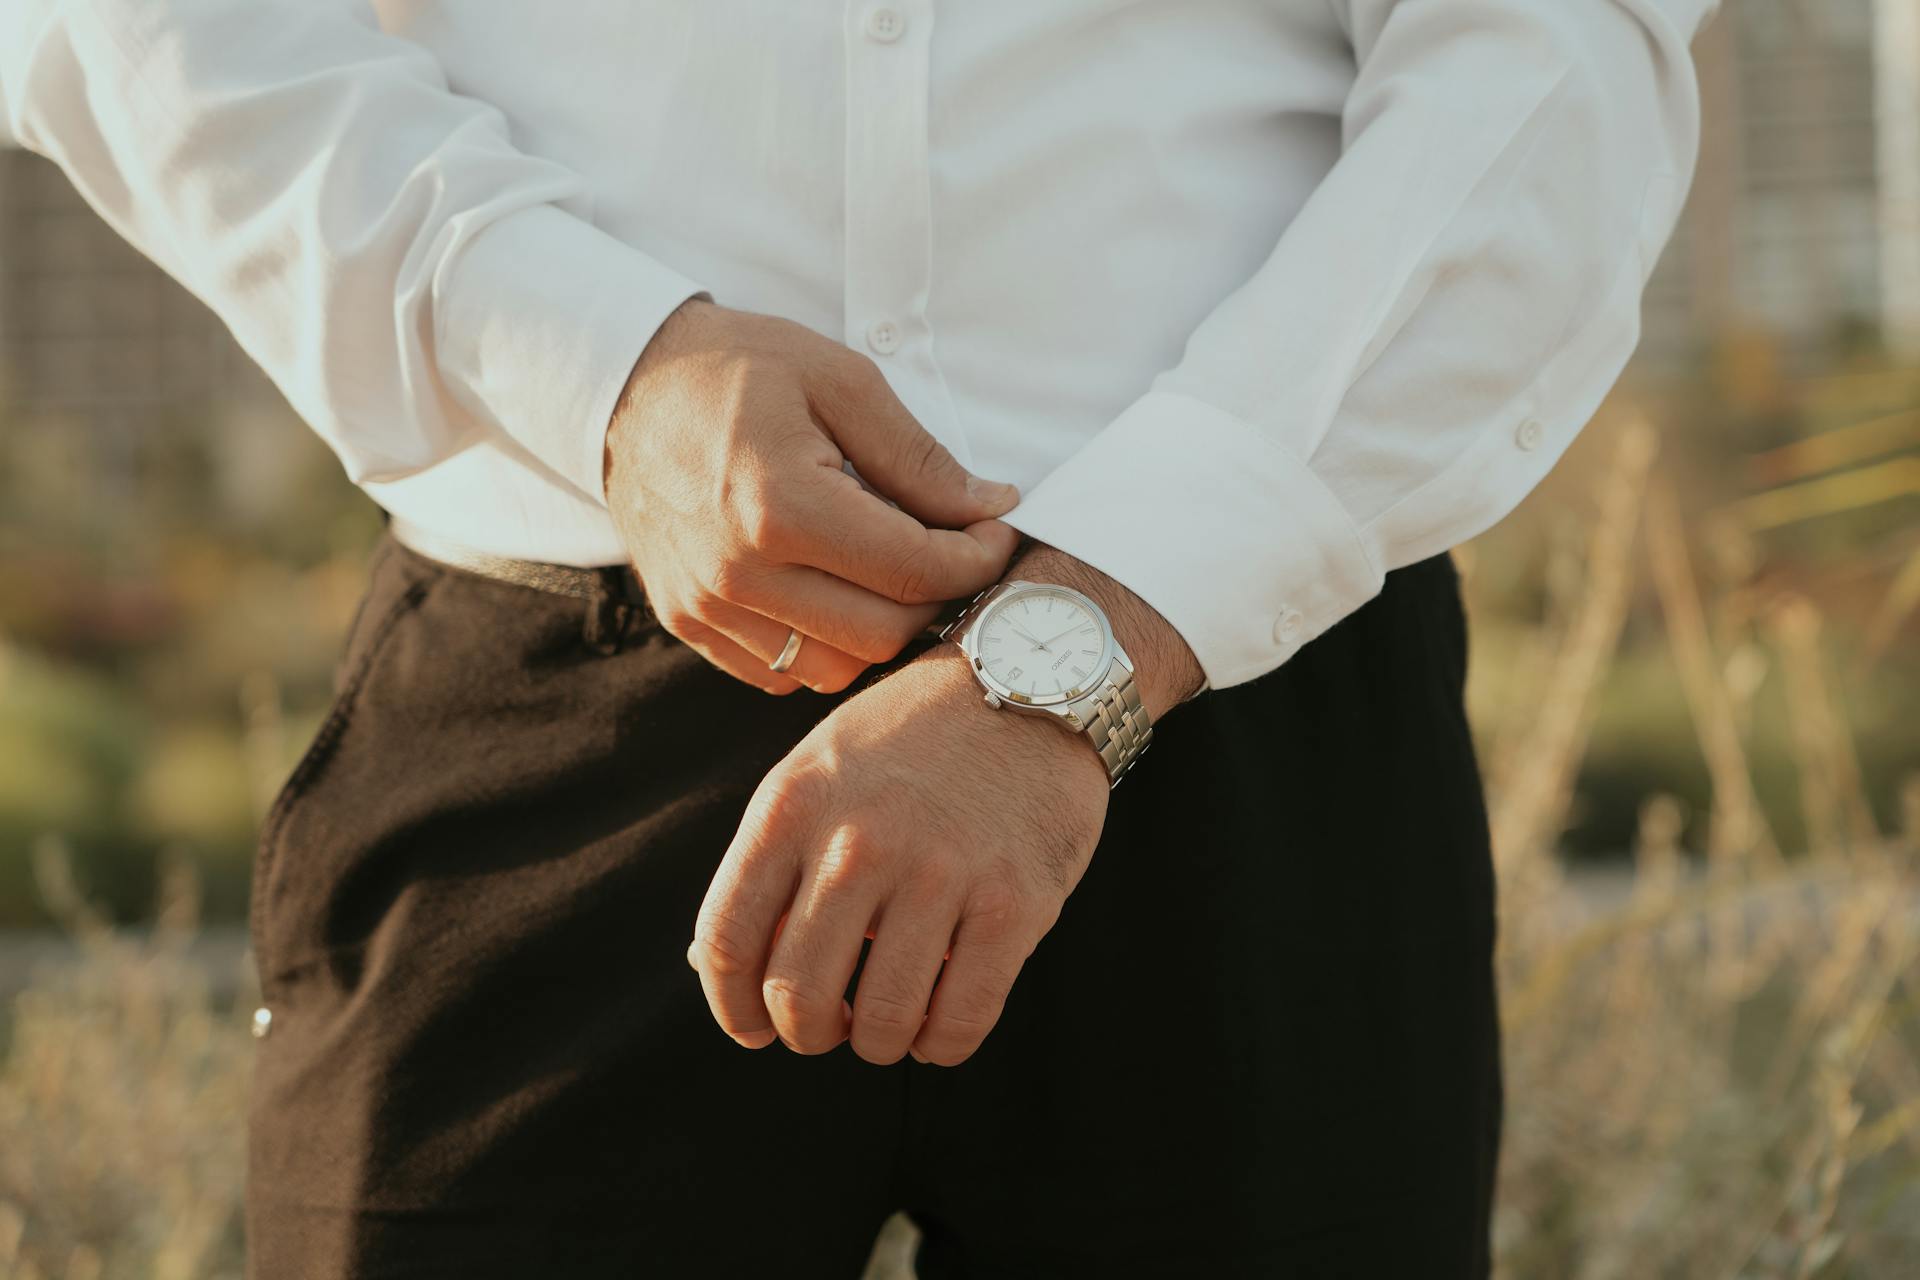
1260	1041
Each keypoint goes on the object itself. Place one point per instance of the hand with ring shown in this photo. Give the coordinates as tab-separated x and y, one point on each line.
725	477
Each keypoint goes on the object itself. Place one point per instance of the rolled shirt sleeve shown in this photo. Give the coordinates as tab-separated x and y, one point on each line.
1430	333
409	279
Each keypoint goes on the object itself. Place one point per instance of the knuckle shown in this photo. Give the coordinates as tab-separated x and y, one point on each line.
703	614
910	579
883	1028
766	518
683	621
859	372
786	799
839	674
925	455
907	627
844	864
732	578
736	426
875	643
930	881
886	1010
995	906
792	995
801	1010
875	649
724	949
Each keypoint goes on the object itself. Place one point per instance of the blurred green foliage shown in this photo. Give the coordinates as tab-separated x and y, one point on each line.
165	649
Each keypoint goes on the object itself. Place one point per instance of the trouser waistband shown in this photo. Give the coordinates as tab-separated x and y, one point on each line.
617	611
560	579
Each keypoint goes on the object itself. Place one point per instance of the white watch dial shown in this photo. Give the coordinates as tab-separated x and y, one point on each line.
1041	645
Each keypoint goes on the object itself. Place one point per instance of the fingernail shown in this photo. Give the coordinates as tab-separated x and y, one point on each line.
997	498
915	1054
756	1039
691	962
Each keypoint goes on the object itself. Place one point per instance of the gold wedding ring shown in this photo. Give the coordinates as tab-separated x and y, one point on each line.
789	653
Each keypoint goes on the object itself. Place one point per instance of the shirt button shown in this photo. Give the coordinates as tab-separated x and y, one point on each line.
262	1022
1527	435
1287	629
885	24
884	336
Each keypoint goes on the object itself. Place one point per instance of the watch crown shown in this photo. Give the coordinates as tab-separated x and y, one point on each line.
993	699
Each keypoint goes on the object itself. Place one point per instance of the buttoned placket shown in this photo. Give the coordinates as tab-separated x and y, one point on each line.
889	217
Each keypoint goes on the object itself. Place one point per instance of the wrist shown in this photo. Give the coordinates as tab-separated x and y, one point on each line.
669	340
942	680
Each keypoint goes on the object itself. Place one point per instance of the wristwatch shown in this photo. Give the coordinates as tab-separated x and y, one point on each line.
1049	650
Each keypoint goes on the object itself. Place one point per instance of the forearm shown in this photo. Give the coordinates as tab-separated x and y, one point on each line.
1432	328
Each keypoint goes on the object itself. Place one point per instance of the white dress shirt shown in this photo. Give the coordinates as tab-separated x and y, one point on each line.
1255	300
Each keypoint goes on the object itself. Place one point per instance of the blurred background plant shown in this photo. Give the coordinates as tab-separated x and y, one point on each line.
1694	684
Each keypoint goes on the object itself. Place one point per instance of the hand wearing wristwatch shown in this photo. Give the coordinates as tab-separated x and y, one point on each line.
1049	650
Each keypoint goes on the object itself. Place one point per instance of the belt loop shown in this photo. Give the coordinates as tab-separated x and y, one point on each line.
616	611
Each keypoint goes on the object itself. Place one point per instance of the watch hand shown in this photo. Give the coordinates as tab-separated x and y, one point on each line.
1029	639
1070	630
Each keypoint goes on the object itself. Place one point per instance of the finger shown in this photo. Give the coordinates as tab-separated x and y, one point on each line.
851	618
985	957
727	655
897	455
854	535
738	922
813	961
819	666
897	979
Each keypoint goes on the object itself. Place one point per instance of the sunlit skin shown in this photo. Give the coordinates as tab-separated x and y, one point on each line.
725	478
939	827
914	814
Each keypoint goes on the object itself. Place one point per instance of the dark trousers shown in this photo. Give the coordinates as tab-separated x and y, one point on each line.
1260	1041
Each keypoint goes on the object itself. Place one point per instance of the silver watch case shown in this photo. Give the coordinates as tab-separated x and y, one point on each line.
1074	705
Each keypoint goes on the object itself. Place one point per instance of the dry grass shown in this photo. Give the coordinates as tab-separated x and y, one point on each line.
1713	1071
1717	1071
121	1103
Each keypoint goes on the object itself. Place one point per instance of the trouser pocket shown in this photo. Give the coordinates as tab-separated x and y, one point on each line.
391	597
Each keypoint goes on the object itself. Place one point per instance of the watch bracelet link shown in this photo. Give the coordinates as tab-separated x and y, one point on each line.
1120	728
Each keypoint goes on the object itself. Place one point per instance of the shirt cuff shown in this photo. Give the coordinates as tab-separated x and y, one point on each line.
541	318
1233	540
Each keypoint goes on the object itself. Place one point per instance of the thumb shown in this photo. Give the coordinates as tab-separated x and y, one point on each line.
904	463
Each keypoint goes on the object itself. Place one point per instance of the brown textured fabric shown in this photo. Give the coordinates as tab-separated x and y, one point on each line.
1260	1040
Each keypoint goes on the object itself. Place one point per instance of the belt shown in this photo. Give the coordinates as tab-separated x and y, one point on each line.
560	579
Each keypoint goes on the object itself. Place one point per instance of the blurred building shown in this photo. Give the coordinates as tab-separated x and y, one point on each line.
1805	211
1897	150
99	350
1804	217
